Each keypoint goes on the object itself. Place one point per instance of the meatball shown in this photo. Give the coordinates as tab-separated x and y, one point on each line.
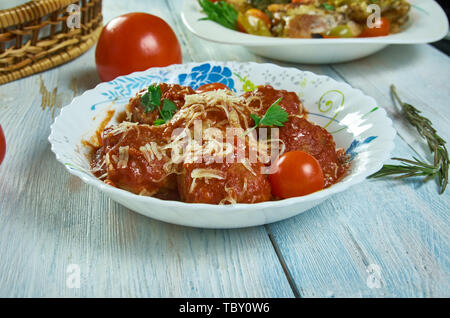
305	25
131	158
300	134
267	95
220	170
174	92
217	183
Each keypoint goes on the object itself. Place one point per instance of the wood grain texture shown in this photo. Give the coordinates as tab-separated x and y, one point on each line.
402	227
50	219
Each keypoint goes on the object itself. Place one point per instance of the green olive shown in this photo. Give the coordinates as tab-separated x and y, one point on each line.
252	25
341	31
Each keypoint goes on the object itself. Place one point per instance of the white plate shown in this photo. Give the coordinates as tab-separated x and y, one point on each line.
428	23
355	121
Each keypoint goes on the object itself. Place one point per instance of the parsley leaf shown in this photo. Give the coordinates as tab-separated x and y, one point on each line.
221	12
274	116
328	7
151	99
169	108
159	122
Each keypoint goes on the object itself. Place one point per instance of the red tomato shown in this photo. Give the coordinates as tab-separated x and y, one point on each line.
381	28
211	87
294	174
2	145
135	42
260	15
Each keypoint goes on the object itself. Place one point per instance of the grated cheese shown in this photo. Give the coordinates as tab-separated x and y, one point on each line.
123	157
204	173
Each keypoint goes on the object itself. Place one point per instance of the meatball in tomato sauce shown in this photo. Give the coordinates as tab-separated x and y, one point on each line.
264	96
131	158
173	92
223	183
300	134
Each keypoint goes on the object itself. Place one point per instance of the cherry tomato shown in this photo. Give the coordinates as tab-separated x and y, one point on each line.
260	15
211	87
382	28
294	174
135	42
2	145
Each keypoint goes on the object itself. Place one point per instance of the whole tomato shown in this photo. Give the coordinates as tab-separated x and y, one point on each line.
135	42
2	145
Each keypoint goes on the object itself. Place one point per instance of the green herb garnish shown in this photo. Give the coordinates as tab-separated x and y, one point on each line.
169	108
151	100
414	168
221	12
328	7
159	122
274	116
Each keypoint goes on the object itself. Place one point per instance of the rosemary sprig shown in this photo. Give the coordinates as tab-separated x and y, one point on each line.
414	168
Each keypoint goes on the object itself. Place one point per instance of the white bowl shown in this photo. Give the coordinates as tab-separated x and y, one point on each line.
355	120
428	23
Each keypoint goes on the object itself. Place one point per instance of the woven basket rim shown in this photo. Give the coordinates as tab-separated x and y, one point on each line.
30	11
55	60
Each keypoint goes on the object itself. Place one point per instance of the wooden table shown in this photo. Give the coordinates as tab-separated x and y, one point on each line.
380	238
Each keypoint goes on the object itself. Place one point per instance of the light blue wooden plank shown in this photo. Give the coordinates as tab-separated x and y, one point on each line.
124	254
403	227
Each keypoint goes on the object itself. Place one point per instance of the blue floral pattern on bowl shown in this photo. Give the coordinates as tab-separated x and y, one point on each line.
205	74
125	87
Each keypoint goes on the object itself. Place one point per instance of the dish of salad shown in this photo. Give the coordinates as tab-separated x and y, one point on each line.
309	18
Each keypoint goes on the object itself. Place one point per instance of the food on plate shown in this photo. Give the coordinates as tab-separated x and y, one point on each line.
316	141
135	42
309	18
127	160
213	146
143	112
2	145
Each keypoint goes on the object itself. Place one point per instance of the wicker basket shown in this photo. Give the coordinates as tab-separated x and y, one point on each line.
35	37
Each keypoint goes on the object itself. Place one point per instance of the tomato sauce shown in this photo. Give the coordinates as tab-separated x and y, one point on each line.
134	155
